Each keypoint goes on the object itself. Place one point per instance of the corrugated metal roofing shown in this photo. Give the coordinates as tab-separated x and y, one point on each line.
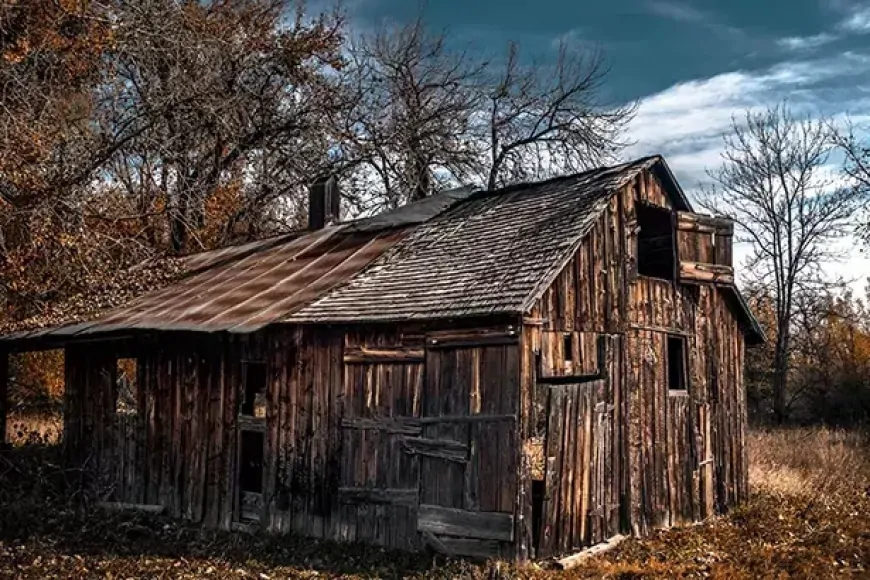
253	291
485	256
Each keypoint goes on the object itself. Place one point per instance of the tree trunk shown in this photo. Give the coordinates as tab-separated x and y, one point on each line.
780	376
178	224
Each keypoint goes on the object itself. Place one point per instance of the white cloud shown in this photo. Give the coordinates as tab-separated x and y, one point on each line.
857	22
688	119
677	11
806	42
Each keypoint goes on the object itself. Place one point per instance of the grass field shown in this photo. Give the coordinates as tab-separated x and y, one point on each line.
809	518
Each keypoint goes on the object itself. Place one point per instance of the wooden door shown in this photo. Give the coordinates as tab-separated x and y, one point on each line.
378	482
467	447
581	493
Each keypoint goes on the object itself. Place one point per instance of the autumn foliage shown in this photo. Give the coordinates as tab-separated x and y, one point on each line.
829	368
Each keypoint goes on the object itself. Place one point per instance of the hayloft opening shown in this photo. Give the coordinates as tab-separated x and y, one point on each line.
655	242
676	364
254	402
126	384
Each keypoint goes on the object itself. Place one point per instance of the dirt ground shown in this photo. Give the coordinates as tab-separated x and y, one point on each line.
809	518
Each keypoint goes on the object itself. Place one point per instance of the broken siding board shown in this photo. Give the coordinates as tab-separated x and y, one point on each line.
713	273
383	355
466	524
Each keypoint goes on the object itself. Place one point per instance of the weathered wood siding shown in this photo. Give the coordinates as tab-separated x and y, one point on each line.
178	449
394	436
672	457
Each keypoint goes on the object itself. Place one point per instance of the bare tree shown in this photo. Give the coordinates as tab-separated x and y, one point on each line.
408	132
428	114
774	184
546	119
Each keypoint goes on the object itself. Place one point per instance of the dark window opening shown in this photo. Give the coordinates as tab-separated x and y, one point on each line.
539	489
568	348
254	403
655	242
676	363
251	461
126	386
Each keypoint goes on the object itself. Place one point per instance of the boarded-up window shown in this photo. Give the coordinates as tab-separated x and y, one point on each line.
126	373
254	402
676	363
655	242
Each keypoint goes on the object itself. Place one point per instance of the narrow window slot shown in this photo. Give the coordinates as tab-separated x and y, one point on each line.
676	346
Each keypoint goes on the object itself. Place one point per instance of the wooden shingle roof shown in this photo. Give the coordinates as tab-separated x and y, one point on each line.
485	256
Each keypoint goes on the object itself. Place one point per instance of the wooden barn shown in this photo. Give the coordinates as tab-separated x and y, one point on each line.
516	373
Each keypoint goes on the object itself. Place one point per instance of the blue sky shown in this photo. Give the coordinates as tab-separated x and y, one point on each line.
689	65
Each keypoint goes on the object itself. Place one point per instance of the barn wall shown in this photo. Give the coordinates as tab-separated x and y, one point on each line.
399	436
178	449
671	457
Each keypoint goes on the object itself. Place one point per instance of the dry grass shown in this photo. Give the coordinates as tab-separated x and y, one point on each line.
809	462
809	518
31	428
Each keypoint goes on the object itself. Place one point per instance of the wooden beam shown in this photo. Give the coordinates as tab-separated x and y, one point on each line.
569	379
662	329
493	340
476	418
473	337
711	273
446	449
693	222
381	496
596	550
383	355
393	426
465	524
129	507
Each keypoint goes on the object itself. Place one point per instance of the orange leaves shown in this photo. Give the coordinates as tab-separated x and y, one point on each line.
224	203
38	378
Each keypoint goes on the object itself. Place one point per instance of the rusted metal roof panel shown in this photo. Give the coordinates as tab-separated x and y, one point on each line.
247	293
